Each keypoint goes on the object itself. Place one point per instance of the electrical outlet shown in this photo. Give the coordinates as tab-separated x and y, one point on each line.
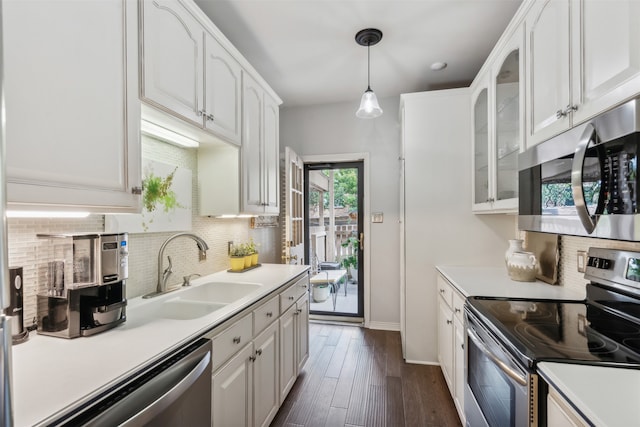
582	261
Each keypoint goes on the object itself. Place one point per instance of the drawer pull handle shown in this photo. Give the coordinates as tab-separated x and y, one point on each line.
236	340
442	291
457	310
269	314
296	313
259	352
448	322
299	310
291	298
304	285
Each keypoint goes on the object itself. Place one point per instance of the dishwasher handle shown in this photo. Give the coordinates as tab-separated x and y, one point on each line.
160	404
145	398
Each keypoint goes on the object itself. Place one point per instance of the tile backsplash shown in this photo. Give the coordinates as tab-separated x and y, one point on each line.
143	247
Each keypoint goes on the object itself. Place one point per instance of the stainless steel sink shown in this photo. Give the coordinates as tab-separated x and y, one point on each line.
220	292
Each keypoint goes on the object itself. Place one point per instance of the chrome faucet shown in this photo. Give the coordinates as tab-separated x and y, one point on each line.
163	275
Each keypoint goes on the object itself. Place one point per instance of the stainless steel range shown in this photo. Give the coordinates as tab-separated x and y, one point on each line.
506	338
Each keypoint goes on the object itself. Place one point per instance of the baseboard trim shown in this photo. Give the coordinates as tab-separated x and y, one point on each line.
422	362
384	326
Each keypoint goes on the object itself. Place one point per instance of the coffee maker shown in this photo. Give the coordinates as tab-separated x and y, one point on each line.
15	310
82	283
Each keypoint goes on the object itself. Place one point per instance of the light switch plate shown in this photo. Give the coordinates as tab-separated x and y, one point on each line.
582	261
377	217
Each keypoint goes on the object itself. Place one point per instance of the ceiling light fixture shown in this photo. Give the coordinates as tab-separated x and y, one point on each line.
369	107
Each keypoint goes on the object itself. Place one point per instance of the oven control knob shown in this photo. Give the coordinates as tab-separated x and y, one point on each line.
604	264
592	262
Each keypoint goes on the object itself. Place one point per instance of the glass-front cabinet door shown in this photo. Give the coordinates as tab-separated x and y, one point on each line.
498	119
507	127
509	119
481	147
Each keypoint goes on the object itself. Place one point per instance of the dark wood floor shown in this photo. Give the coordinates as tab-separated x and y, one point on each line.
357	377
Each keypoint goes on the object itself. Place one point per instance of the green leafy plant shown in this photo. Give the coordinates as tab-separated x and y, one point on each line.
251	247
238	250
350	260
157	191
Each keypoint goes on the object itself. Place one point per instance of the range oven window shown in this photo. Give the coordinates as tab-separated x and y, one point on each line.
494	393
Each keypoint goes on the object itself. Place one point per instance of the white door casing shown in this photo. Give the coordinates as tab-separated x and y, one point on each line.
293	208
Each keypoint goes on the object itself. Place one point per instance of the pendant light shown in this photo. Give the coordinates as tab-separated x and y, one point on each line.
369	107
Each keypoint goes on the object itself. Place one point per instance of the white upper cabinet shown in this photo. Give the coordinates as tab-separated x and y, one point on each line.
260	149
172	63
548	78
497	128
606	54
222	91
583	58
72	108
186	72
271	154
253	171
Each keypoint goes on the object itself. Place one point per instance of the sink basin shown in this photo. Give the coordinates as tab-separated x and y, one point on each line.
180	309
220	292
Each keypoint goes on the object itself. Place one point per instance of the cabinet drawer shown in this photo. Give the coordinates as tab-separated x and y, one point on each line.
231	341
458	305
291	294
265	315
445	290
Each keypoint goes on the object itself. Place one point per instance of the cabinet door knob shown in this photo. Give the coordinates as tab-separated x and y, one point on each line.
236	340
209	117
442	291
299	310
291	298
201	113
259	352
252	358
457	310
449	322
269	314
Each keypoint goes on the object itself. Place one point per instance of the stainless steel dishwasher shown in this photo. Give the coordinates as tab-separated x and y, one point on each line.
175	391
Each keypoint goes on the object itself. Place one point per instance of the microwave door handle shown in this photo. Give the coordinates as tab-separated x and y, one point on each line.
510	372
588	222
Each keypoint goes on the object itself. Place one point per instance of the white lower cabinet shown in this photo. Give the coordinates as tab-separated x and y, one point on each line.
451	341
560	413
266	367
257	358
294	343
232	391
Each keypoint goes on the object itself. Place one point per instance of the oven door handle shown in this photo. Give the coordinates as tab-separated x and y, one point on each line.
588	222
510	372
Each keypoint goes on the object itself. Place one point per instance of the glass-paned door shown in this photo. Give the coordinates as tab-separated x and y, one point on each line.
334	237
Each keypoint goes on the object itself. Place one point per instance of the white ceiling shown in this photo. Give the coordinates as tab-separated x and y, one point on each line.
306	49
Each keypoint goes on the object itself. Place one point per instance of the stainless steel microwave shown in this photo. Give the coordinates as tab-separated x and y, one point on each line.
584	181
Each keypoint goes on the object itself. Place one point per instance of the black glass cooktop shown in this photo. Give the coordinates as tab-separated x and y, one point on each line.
576	331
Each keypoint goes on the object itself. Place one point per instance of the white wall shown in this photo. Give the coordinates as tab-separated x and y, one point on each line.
440	227
334	129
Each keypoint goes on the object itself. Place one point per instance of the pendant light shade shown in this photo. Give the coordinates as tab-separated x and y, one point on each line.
369	107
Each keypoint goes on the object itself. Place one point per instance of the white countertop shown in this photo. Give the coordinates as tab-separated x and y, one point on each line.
54	375
606	397
495	282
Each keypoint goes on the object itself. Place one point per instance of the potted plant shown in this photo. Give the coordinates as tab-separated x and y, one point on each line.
253	250
236	257
350	261
320	292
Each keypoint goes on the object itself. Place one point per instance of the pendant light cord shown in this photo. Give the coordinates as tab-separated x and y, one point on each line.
369	66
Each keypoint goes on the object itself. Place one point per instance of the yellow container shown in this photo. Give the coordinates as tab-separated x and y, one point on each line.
237	263
247	261
254	259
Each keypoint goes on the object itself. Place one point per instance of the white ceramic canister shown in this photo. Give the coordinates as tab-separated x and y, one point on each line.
515	245
522	266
